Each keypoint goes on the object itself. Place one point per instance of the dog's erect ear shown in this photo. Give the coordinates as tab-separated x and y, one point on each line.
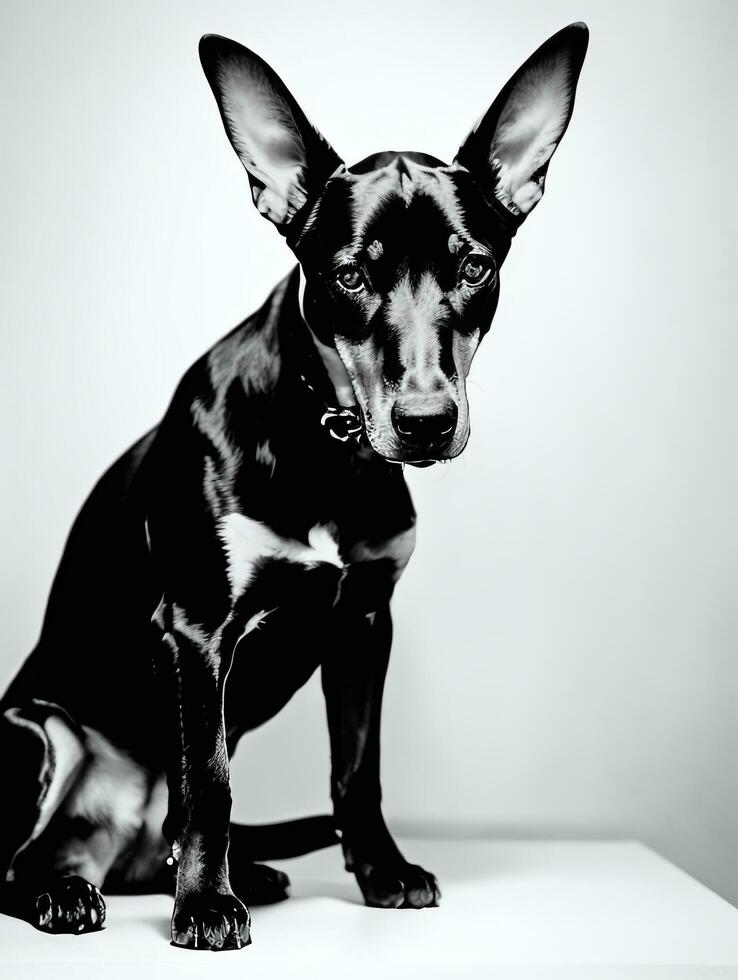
509	149
285	156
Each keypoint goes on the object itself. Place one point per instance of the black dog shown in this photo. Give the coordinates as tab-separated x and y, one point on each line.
258	532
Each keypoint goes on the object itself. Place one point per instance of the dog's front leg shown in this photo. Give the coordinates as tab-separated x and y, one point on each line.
195	664
353	674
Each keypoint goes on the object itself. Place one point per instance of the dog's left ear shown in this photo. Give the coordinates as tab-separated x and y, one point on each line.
509	149
285	156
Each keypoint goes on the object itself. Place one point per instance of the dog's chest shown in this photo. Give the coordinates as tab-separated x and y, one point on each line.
250	546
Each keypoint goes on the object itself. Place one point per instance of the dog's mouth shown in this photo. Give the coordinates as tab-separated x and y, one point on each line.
424	456
420	463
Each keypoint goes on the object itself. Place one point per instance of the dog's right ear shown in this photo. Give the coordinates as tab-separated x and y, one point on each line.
285	157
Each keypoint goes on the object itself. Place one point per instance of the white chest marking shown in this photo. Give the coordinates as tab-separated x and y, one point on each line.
246	542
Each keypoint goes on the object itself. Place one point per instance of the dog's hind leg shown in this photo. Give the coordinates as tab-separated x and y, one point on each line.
44	753
55	903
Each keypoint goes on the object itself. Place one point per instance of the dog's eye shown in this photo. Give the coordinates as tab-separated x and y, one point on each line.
350	278
475	270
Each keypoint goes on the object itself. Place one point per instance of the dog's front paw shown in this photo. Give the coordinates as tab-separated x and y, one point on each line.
398	886
70	904
211	920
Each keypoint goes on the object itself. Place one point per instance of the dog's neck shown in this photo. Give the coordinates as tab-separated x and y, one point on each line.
332	362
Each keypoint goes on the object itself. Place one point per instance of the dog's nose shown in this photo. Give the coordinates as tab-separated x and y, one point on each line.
432	432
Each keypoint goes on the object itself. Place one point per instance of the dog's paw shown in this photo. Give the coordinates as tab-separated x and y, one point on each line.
211	921
398	886
70	905
258	884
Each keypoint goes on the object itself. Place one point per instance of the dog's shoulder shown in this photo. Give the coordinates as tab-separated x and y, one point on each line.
239	370
250	354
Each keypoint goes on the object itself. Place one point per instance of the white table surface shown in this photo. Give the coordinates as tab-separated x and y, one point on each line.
563	910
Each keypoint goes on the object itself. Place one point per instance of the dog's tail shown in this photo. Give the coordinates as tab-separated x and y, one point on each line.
277	841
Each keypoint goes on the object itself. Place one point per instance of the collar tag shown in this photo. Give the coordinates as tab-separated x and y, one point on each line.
343	424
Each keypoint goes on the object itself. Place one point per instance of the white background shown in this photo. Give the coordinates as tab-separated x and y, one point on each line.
565	661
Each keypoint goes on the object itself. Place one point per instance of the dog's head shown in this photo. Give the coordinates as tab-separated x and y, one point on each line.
400	253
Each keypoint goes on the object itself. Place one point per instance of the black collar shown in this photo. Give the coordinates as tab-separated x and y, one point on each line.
344	424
